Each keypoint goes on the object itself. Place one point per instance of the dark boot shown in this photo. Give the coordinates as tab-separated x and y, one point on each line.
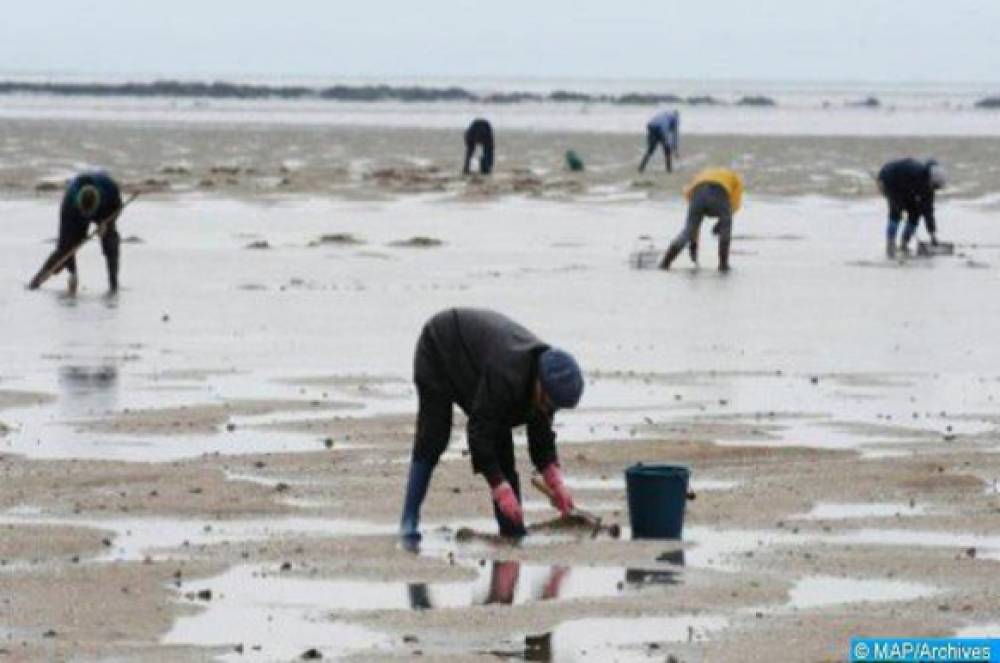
672	252
505	526
693	251
113	273
724	255
416	490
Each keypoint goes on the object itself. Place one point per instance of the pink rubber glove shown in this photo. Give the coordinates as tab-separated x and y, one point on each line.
507	502
563	500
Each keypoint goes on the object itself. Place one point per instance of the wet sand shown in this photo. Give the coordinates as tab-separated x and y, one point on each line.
745	549
359	163
211	464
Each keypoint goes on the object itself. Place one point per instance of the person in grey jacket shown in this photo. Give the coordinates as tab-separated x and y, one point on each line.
502	376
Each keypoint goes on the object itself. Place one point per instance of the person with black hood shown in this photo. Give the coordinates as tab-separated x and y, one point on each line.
909	185
91	197
479	134
502	376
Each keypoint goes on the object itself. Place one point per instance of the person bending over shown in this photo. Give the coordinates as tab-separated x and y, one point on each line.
716	193
502	376
909	186
663	129
91	197
479	134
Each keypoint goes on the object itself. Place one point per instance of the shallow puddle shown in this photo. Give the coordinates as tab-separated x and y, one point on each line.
261	630
723	549
138	538
986	546
622	408
496	583
285	614
819	591
612	639
979	631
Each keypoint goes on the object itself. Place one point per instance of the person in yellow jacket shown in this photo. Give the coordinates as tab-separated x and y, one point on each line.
717	193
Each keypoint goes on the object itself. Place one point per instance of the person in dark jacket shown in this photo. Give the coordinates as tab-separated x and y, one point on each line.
479	134
91	197
909	186
502	376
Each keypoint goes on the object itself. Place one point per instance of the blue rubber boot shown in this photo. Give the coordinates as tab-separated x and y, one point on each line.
416	490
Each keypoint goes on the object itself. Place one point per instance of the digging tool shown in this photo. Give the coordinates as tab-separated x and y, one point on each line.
590	518
45	275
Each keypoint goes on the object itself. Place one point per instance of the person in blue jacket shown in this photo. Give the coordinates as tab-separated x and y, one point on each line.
909	186
91	197
502	376
663	129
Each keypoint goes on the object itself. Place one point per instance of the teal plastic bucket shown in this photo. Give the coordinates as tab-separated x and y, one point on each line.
573	161
657	496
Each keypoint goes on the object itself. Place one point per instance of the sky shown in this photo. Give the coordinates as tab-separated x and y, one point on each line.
806	40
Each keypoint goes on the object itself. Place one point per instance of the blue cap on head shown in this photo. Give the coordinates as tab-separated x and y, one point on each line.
560	377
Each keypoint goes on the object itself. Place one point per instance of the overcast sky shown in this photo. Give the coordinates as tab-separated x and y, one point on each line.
872	40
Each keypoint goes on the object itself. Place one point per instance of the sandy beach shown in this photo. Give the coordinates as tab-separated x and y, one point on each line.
210	465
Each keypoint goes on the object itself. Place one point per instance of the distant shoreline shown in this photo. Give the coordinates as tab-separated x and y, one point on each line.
359	93
375	93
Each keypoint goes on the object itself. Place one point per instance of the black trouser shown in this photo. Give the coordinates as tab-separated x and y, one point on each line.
433	434
902	203
479	134
71	233
434	418
654	138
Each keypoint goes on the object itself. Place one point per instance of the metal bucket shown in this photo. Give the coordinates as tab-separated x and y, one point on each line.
645	259
927	250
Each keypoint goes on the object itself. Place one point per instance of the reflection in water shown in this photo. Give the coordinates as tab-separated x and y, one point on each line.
613	638
675	557
514	583
420	597
88	388
648	577
251	602
538	647
503	583
88	377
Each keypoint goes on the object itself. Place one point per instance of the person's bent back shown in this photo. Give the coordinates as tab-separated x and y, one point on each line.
715	193
479	134
91	197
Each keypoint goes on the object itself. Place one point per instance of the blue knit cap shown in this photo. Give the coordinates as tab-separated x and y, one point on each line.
560	377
